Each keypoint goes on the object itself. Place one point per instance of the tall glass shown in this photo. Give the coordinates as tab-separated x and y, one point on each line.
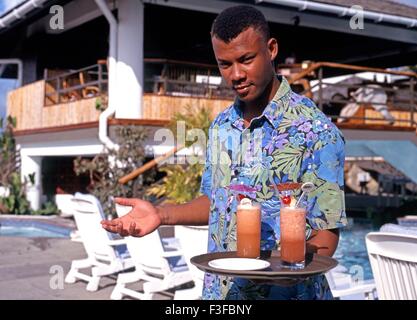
248	230
293	237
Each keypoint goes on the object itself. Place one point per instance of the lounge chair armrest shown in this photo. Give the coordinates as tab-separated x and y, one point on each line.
364	288
168	254
117	242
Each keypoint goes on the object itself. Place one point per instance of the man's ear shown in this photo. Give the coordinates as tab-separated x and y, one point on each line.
273	48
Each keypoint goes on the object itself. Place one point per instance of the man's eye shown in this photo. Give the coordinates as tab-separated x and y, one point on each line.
248	60
223	64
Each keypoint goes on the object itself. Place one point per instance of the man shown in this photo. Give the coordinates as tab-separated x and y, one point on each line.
270	134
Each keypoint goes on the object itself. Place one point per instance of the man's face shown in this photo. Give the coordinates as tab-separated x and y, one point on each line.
246	63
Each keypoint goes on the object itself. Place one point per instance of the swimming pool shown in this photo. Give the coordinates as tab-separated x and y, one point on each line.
32	229
351	251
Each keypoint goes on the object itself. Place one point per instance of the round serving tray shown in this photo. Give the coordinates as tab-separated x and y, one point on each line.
315	264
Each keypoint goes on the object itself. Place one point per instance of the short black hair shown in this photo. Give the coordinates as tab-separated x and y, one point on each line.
234	20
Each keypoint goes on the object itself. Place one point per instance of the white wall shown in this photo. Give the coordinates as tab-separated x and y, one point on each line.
65	143
130	59
32	165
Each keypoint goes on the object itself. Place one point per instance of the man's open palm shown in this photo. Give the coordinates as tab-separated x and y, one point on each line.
140	221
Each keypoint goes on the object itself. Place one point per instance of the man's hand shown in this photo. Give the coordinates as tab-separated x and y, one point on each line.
323	242
140	221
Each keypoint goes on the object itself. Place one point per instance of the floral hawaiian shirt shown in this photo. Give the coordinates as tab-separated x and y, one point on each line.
292	141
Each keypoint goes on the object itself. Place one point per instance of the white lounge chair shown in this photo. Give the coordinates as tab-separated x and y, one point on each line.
193	240
397	228
393	259
158	262
65	204
344	287
105	254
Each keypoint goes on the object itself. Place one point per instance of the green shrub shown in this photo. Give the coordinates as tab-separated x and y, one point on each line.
106	168
15	202
182	182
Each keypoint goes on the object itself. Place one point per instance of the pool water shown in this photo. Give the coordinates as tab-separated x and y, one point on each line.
30	232
351	251
32	229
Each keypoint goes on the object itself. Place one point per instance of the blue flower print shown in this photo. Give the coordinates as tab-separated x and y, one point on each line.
221	198
326	136
298	121
292	131
307	102
318	126
328	163
298	139
306	127
277	141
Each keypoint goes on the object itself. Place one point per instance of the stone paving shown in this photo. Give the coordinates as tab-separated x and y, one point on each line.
34	268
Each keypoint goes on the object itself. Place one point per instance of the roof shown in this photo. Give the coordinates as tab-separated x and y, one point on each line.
383	6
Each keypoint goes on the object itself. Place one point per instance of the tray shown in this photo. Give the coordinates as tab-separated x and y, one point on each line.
315	264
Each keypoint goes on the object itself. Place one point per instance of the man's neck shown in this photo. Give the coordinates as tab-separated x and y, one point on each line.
257	107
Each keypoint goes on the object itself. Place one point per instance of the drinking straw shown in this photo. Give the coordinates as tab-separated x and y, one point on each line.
306	188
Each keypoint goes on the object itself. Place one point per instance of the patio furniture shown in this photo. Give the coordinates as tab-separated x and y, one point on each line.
193	240
400	229
408	221
105	254
393	260
158	261
344	287
65	204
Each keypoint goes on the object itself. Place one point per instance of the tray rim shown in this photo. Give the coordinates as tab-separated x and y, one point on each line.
265	273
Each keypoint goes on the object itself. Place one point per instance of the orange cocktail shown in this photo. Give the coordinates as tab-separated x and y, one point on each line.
293	241
248	230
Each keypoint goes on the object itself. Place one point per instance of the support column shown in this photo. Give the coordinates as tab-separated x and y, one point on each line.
30	165
130	59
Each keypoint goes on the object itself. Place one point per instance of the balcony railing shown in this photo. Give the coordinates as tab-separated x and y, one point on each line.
361	101
162	77
67	86
186	79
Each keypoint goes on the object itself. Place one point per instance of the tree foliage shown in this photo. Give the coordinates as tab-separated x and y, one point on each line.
106	168
182	182
14	202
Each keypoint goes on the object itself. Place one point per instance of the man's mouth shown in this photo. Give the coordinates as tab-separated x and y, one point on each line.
242	89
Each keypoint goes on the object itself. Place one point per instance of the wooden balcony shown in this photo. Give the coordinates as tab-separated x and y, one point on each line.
68	100
27	104
157	107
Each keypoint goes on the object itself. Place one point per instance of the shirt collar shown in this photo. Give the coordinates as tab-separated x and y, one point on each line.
273	112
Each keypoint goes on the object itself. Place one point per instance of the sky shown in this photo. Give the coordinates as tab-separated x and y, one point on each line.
6	5
5	86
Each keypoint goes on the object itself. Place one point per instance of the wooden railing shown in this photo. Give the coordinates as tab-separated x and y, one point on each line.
402	110
182	78
26	104
74	85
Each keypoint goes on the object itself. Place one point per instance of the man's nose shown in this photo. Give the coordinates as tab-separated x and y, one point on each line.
237	73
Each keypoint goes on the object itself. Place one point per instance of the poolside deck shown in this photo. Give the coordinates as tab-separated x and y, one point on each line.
25	271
